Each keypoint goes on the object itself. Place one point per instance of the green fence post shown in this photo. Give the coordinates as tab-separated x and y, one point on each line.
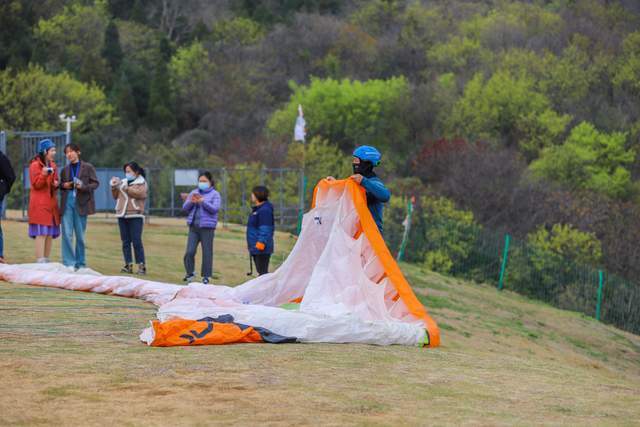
505	255
600	286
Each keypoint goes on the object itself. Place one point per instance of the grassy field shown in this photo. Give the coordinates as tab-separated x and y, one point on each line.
70	358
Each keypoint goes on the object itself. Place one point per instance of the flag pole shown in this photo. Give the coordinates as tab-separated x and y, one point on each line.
299	134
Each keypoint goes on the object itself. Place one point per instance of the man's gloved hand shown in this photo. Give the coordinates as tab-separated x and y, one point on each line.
260	246
357	178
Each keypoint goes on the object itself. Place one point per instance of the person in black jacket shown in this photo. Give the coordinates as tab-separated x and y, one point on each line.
7	178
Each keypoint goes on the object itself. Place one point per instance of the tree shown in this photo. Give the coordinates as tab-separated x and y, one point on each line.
351	113
554	264
378	16
140	45
270	12
568	80
589	160
17	21
190	71
177	19
459	55
15	33
161	100
514	24
564	241
628	67
112	51
313	45
73	40
121	97
237	31
509	110
33	99
421	28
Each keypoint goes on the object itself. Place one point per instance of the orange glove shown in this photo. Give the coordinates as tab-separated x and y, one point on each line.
260	246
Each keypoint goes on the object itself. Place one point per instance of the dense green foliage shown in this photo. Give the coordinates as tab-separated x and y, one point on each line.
507	110
32	99
350	113
442	236
589	159
522	113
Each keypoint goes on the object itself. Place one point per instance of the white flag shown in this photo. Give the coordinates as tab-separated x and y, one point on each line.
299	132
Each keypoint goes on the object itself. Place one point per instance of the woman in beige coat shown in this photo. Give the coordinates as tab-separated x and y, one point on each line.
130	195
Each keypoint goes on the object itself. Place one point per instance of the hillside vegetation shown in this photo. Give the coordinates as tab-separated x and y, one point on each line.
525	113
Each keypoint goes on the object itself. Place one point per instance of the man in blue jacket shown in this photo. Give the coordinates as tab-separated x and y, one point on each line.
365	158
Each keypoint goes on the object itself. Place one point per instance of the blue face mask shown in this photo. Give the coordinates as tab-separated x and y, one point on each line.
204	185
130	177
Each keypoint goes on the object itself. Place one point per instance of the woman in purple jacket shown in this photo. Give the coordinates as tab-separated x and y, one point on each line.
202	205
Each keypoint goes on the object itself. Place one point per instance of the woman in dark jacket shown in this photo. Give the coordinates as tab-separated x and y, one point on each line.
260	228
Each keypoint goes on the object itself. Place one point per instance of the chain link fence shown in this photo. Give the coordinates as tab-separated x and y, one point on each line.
469	251
165	194
168	186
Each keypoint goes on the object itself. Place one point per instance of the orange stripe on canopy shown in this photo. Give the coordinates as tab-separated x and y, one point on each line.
415	307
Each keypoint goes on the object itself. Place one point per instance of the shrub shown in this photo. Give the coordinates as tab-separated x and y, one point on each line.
442	236
551	261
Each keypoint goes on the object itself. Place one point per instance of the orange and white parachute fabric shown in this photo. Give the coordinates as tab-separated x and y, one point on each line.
349	289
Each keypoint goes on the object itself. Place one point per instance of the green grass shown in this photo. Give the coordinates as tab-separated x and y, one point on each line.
71	358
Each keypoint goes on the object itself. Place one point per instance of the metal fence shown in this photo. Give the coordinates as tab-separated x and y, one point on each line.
27	151
29	145
536	271
166	186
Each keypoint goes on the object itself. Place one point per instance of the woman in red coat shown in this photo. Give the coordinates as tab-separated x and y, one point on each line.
44	216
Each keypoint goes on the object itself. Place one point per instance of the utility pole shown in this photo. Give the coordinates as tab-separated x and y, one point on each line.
299	134
68	120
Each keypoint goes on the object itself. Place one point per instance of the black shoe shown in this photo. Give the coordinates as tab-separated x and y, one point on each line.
205	280
128	268
188	278
142	270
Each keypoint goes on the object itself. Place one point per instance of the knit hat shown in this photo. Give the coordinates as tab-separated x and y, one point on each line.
45	145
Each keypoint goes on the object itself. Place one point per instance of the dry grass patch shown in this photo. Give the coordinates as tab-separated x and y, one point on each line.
69	358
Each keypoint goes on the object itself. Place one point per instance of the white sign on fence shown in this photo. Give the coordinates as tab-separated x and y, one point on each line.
186	177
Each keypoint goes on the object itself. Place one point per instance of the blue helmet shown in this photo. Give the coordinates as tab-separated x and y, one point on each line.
45	145
368	153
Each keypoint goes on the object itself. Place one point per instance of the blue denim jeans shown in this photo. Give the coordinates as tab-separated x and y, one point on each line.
131	234
73	222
